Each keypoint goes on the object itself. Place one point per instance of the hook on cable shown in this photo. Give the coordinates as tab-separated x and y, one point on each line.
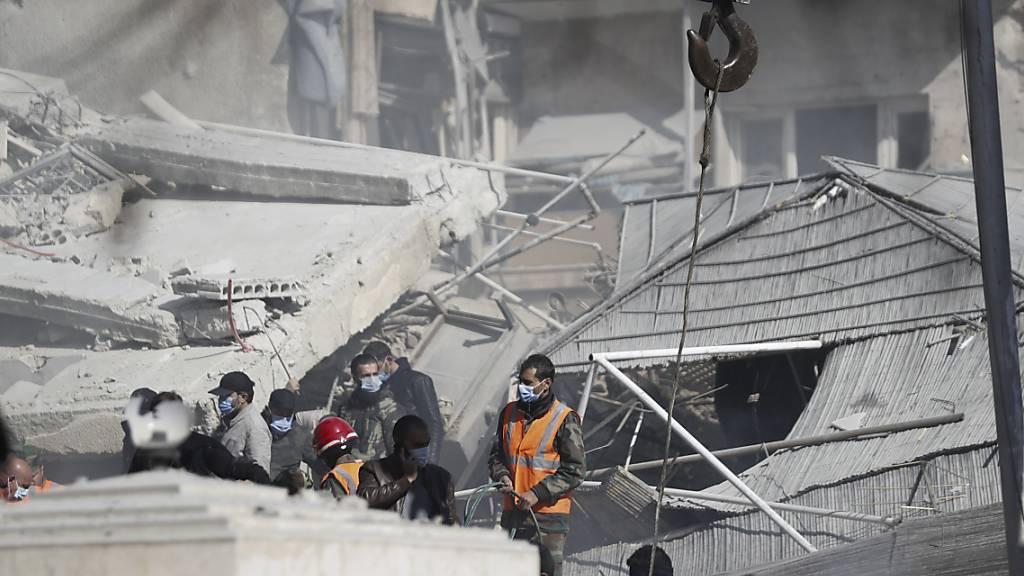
742	59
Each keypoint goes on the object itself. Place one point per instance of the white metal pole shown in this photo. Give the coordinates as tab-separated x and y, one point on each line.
585	399
632	441
711	350
695	444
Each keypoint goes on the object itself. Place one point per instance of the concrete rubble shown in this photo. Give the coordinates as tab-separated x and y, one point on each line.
170	522
131	286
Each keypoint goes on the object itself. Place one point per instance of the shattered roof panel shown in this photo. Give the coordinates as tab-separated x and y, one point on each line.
850	268
947	483
946	200
642	244
894	378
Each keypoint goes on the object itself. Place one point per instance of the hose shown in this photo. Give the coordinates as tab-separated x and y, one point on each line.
492	489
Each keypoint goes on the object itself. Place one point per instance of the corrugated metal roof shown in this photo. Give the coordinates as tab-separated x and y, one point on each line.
946	200
947	483
848	268
892	379
643	243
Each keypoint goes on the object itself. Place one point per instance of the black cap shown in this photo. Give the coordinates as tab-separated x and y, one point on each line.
282	402
234	382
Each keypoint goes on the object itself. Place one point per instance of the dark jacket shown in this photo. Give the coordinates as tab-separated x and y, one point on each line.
431	494
415	390
204	456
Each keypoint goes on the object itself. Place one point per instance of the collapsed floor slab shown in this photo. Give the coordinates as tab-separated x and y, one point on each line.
354	261
251	165
108	306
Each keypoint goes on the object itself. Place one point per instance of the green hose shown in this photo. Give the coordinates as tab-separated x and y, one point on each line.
487	490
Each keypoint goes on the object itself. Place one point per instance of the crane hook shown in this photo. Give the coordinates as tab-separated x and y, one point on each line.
742	48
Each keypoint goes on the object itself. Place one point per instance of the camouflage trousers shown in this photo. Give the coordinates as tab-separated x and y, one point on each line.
550	542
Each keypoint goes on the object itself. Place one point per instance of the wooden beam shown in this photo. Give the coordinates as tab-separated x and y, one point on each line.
253	165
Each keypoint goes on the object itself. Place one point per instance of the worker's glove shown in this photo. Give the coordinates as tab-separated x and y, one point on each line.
506	485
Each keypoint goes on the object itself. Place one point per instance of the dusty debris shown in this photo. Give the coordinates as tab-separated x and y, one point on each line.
96	302
204	321
95	210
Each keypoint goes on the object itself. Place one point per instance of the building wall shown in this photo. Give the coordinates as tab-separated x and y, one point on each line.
897	56
210	58
629	63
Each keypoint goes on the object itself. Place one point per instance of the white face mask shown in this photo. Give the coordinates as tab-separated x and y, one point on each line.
370	384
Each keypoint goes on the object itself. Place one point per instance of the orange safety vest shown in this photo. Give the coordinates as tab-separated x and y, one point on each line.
347	474
48	485
530	453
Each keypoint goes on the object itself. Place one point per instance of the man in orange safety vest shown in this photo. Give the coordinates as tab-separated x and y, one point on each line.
538	457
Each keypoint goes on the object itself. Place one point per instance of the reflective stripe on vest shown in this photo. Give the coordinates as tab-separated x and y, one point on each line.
347	474
531	454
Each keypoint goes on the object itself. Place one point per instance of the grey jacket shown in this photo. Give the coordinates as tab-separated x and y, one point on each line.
246	435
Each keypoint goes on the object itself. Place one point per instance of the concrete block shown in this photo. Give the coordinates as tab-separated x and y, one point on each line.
202	320
170	522
216	287
93	301
95	210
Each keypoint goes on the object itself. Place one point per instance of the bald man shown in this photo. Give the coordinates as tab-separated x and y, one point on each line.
16	481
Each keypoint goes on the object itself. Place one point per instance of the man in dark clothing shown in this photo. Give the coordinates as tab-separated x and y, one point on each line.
538	456
371	409
199	454
290	444
127	447
404	481
412	389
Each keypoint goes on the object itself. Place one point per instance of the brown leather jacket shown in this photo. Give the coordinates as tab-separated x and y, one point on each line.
433	490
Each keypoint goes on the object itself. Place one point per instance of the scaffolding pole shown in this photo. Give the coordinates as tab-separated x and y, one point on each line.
696	445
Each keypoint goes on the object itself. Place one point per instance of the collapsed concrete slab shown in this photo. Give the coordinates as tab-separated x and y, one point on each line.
170	522
354	262
251	165
107	306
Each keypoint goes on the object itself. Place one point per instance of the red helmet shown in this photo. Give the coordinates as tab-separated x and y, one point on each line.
332	431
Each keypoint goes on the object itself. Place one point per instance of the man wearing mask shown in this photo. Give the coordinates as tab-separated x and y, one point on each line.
538	457
371	409
404	481
198	453
16	480
333	440
413	390
291	443
243	432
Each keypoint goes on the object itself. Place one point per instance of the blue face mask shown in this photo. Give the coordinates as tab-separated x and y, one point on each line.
370	384
420	455
384	376
225	405
527	394
21	493
280	424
